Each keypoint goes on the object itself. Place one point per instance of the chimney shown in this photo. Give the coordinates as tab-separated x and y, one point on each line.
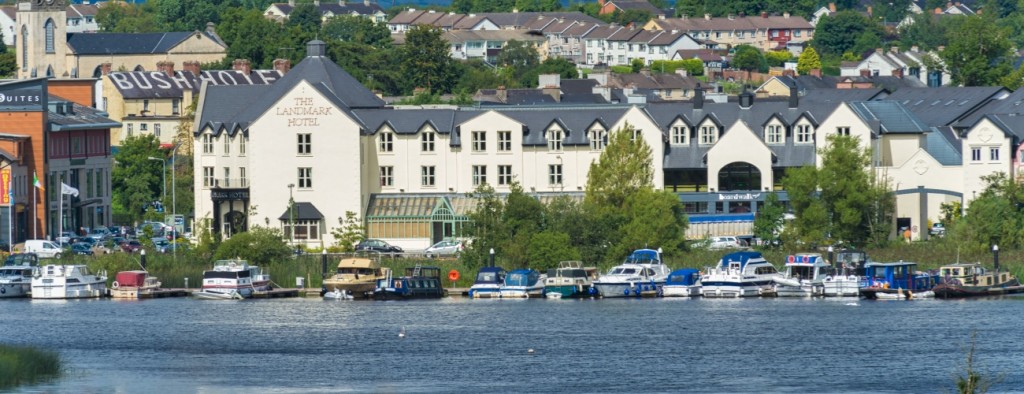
366	3
832	7
166	67
940	48
191	66
661	16
764	14
816	72
554	92
341	3
785	15
731	17
316	3
938	11
291	3
869	11
789	73
879	51
794	98
894	49
282	66
707	16
698	97
746	98
897	72
105	68
865	72
914	48
242	65
501	93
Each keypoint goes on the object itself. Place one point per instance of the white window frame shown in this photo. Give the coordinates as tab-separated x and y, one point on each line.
305	175
387	176
708	135
679	135
304	144
427	141
479	141
504	175
428	176
774	134
993	153
555	137
208	177
555	175
207	141
387	141
598	139
479	175
504	141
804	134
976	154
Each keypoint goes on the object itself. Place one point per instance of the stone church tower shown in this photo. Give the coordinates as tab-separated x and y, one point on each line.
42	39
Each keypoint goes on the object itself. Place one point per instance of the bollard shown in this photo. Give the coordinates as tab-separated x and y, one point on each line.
142	254
186	283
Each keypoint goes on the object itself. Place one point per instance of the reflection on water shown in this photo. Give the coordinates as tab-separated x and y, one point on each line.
458	345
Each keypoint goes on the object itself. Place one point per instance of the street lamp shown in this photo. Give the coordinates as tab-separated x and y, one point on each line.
163	175
995	257
291	214
492	257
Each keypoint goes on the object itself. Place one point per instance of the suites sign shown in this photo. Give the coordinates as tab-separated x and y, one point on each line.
23	98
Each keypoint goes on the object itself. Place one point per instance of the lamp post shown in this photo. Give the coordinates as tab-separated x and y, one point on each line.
291	215
995	257
492	257
174	207
830	256
163	175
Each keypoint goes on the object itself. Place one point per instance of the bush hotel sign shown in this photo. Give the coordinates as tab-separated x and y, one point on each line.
303	112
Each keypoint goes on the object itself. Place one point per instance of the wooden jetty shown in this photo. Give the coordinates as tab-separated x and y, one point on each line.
164	293
277	293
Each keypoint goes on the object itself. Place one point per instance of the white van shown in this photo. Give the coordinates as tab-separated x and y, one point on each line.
43	248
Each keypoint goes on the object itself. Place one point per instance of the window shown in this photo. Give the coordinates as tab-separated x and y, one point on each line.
708	135
679	135
241	144
99	183
993	154
774	134
303	229
242	178
479	175
207	176
227	144
88	183
49	36
207	141
479	141
427	176
156	129
803	133
387	176
637	134
427	141
145	105
555	174
175	106
387	142
843	131
130	131
975	154
143	127
227	177
505	175
504	141
555	140
24	48
306	177
305	144
598	139
796	33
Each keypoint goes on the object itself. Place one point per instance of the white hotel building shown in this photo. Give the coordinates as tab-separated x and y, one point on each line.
319	137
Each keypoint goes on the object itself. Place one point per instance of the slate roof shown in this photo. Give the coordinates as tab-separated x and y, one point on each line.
128	43
575	123
653	81
941	143
944	106
338	9
10	10
891	116
303	211
157	84
80	118
223	103
640	5
746	23
1012	104
407	121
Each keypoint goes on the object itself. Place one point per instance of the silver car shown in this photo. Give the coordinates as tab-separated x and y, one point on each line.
444	248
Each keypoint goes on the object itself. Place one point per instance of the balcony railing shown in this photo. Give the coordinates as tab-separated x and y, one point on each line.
231	182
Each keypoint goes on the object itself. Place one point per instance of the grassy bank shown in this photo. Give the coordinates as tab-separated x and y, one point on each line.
24	365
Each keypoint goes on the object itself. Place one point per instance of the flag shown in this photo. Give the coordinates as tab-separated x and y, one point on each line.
35	182
65	189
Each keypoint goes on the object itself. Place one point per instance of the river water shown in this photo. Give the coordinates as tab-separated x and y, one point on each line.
461	345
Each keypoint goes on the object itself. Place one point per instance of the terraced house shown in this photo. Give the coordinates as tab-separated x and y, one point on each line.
318	144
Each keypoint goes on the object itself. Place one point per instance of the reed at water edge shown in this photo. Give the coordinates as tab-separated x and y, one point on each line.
26	365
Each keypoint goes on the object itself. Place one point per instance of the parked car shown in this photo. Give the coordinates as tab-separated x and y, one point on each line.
725	242
161	245
82	248
938	230
43	248
100	234
376	245
444	248
65	236
22	258
131	246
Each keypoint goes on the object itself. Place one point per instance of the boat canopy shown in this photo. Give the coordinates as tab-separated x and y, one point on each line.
742	257
685	277
522	277
131	278
644	256
495	275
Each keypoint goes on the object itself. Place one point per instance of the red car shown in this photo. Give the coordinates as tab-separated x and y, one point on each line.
131	246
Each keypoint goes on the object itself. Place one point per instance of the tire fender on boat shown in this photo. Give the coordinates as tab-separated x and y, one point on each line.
115	284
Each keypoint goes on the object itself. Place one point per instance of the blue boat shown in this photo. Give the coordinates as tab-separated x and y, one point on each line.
523	283
883	280
641	275
418	282
739	274
683	283
488	283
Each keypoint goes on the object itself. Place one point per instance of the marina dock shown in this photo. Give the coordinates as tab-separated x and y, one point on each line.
164	293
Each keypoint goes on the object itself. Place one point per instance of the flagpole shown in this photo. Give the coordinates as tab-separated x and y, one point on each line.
35	219
60	220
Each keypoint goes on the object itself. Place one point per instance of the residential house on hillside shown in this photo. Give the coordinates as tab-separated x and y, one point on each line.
483	21
779	86
610	6
328	10
899	63
765	32
616	45
714	60
661	86
487	44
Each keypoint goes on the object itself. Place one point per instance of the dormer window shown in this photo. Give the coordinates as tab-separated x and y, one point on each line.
387	141
773	134
804	134
555	137
598	139
679	135
708	135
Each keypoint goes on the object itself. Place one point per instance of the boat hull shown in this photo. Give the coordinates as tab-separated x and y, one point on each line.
629	289
80	290
217	295
734	289
356	289
485	291
842	286
950	290
682	291
877	293
568	291
394	295
15	289
522	292
131	292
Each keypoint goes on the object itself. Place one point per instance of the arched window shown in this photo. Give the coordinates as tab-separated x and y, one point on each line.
24	48
49	35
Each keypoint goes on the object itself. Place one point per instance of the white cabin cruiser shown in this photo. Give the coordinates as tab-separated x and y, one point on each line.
642	274
739	274
233	279
68	281
847	281
804	276
16	280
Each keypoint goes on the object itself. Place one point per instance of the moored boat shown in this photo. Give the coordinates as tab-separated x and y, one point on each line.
899	278
642	275
570	280
846	282
739	274
357	276
133	284
418	282
972	280
232	279
68	281
683	283
337	295
16	280
523	283
804	276
488	283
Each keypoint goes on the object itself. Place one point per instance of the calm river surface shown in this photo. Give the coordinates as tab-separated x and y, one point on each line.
461	345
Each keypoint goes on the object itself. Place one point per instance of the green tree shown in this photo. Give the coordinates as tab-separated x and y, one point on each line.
349	233
808	61
552	65
810	223
517	58
522	216
623	168
259	245
128	18
426	62
547	248
485	227
769	220
636	65
136	179
3	48
305	16
777	58
238	28
978	54
655	219
357	29
8	64
927	32
748	58
844	185
839	32
993	218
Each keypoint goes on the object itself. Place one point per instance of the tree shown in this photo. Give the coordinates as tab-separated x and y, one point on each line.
3	48
655	220
522	217
426	62
777	58
994	217
238	28
485	226
769	220
8	64
623	168
810	223
136	179
978	54
259	245
357	29
837	33
748	58
517	58
119	17
349	233
808	61
547	248
305	16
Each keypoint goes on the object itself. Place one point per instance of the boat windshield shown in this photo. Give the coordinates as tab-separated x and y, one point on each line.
487	277
356	271
622	271
801	271
518	279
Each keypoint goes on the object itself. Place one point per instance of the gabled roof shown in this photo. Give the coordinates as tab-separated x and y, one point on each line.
575	123
129	43
639	5
81	10
407	121
744	23
892	117
1011	104
79	118
302	211
944	106
9	10
157	84
941	144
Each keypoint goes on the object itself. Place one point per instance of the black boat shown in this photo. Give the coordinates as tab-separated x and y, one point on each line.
418	282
